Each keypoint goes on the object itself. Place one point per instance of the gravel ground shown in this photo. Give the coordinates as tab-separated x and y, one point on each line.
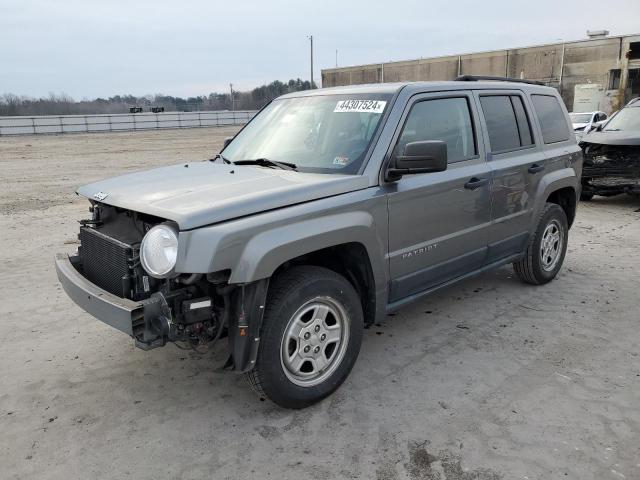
489	379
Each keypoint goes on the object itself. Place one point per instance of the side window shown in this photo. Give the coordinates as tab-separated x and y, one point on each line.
446	119
552	120
524	128
507	122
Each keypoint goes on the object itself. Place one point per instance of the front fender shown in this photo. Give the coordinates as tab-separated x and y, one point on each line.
251	248
265	252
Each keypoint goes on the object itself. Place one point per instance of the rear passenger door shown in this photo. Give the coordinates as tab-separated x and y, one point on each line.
438	222
516	163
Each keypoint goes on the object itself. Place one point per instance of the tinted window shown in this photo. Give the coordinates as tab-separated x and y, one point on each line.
501	123
446	119
524	129
552	120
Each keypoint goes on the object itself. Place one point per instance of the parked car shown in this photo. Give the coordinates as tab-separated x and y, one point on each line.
612	155
329	210
585	122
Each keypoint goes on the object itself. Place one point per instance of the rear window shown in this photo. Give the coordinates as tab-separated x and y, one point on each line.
552	120
507	122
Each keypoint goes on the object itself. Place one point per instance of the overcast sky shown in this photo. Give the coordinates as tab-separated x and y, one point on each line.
92	48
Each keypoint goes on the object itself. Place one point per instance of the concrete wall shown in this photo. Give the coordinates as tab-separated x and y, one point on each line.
561	65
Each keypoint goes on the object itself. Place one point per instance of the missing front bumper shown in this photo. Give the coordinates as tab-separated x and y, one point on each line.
128	316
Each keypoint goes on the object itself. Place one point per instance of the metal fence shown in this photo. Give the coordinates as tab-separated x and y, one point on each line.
51	124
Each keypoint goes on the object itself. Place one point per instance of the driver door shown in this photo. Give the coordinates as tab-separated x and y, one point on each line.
438	222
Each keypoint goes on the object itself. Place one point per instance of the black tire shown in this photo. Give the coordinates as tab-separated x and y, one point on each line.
531	268
290	292
586	197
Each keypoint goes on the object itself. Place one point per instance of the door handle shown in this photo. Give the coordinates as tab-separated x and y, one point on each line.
535	168
476	182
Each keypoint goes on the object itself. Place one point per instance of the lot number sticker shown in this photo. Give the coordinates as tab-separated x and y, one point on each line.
360	106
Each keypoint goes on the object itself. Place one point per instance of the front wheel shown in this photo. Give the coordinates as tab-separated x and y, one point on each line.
545	252
311	336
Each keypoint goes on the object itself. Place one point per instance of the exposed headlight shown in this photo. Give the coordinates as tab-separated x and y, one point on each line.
159	251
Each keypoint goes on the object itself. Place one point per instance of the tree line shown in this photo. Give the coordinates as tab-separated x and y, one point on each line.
62	104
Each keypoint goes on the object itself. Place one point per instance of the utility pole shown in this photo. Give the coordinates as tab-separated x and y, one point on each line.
336	58
233	107
311	40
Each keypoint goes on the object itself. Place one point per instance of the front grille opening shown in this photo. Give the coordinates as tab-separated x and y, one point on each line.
106	261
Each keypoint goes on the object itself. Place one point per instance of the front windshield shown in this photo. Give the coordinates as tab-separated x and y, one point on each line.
626	120
580	117
320	133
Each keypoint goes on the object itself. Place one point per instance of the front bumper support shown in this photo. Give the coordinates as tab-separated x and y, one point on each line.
120	313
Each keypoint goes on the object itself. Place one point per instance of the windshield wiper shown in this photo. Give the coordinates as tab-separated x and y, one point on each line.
221	157
265	162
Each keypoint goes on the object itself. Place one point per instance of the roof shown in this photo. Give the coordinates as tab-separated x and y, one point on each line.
435	86
347	89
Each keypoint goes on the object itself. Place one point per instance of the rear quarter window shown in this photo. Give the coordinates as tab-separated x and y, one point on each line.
553	123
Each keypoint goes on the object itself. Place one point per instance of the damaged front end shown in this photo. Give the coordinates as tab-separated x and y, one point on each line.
610	169
106	278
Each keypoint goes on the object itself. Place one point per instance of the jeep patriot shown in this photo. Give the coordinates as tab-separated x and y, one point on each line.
330	209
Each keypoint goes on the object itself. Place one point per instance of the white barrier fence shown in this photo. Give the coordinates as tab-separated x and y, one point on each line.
48	124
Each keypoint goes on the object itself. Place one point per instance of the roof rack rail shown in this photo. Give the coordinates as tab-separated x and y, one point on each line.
475	78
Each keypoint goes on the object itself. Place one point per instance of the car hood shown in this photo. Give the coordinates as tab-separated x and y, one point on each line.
203	193
579	125
612	138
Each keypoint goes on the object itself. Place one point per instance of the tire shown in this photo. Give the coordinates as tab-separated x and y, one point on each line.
285	372
538	267
586	197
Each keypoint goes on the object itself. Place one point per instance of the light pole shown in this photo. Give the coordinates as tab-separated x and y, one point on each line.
311	41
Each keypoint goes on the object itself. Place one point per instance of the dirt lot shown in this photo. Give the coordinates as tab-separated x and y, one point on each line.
490	379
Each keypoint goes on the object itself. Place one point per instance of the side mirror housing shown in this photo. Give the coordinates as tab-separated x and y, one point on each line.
227	141
419	157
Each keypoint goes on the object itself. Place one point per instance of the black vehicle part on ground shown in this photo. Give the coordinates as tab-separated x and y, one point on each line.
610	169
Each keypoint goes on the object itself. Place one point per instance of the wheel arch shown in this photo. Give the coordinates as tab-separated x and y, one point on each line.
350	260
347	243
560	187
567	199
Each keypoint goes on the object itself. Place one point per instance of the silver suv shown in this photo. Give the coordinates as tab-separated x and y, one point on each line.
329	210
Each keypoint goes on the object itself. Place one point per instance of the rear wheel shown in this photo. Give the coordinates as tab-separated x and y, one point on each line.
546	250
311	336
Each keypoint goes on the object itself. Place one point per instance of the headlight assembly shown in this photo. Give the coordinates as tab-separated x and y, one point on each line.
159	251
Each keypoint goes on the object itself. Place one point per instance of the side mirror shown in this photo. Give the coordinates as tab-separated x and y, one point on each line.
419	157
227	141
